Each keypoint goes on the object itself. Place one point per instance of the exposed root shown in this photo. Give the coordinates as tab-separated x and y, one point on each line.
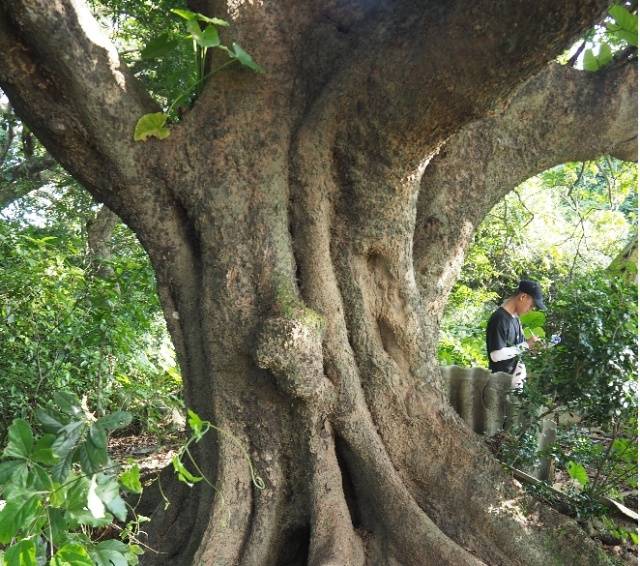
390	510
334	541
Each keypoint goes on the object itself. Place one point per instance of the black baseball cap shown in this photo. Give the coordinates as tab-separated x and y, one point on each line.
532	288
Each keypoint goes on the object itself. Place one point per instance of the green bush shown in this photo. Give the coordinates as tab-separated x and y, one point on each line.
60	487
64	328
593	370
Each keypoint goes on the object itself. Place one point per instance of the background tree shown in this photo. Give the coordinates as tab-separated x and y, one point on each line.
569	221
280	217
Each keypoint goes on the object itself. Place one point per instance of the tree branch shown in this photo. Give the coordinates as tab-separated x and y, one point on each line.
65	80
419	69
559	115
14	183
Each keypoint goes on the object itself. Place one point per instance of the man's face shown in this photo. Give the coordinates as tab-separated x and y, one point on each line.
524	304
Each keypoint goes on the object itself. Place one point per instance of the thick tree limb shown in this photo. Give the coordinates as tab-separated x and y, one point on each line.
65	79
439	80
559	115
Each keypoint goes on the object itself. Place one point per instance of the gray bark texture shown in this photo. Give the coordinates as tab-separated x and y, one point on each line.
280	217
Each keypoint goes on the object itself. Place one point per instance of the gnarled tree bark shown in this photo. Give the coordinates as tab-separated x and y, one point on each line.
280	218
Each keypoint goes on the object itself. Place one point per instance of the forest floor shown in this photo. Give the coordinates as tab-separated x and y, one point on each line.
153	454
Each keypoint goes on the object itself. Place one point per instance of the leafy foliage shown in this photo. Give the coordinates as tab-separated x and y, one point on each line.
61	485
593	370
563	229
614	38
564	222
202	33
64	328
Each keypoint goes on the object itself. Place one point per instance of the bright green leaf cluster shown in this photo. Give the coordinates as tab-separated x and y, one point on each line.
63	327
203	34
623	29
593	62
578	472
59	483
625	26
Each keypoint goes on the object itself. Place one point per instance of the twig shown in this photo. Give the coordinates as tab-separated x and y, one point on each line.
572	61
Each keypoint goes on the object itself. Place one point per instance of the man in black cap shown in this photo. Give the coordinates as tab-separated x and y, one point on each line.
505	337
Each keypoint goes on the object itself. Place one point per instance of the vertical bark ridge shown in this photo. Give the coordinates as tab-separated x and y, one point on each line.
333	539
390	412
313	212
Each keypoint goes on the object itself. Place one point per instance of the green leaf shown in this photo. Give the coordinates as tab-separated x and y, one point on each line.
590	61
71	555
86	518
110	553
245	59
8	522
112	421
16	515
627	23
214	21
189	15
19	476
196	424
58	527
92	459
21	554
130	479
209	37
39	479
76	494
49	422
623	35
7	470
193	27
67	439
109	492
185	14
61	470
94	502
68	403
184	475
159	46
634	537
20	440
578	473
98	437
43	451
604	55
151	125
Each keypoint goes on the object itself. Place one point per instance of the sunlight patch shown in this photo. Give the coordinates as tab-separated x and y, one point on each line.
97	36
512	508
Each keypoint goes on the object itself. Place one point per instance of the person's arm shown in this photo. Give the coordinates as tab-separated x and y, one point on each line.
497	334
508	352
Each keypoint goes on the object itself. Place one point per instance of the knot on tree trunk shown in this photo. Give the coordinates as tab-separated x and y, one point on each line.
291	350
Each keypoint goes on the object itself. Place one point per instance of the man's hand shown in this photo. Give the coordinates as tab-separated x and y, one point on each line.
534	342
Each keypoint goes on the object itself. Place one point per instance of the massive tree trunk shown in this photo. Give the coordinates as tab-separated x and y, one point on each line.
280	218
